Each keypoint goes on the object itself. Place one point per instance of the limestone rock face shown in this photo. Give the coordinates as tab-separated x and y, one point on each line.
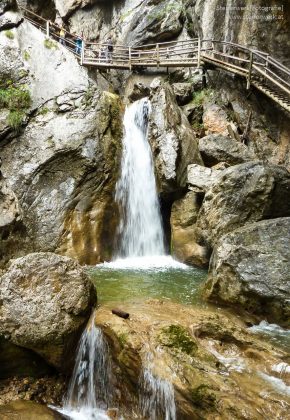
243	194
183	92
9	206
201	178
171	137
228	22
46	299
6	5
63	164
156	21
184	244
217	148
250	267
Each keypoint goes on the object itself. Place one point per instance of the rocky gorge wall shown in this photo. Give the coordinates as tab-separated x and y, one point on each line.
224	197
75	123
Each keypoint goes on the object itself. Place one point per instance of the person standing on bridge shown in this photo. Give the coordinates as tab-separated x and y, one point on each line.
110	49
62	35
79	45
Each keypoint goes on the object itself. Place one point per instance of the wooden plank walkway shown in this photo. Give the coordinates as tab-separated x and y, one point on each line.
259	69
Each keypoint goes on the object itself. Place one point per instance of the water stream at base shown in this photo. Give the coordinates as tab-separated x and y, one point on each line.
89	393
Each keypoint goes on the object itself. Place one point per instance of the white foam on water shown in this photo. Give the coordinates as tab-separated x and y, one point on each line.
83	413
159	263
281	368
276	383
265	327
234	363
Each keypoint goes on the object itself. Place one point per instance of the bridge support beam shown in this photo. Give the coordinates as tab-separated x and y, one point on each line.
250	71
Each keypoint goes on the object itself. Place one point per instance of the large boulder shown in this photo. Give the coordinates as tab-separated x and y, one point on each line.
45	301
184	244
216	148
243	194
250	267
171	137
201	178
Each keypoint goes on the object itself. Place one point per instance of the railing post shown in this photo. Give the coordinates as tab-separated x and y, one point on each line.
250	71
47	28
83	53
267	63
130	58
157	53
198	52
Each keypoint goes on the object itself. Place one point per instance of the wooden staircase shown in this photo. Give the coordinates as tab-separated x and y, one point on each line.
260	70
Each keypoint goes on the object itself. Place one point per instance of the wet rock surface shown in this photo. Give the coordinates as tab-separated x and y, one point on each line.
210	358
250	267
46	300
27	410
44	390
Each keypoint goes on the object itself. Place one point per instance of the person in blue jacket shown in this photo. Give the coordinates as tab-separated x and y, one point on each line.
79	45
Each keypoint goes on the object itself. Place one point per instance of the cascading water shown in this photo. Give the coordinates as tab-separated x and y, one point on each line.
90	391
157	395
140	228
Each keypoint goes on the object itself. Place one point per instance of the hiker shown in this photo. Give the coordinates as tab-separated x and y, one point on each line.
103	55
62	35
110	49
79	45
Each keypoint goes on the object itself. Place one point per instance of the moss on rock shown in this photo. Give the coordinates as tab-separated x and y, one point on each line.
178	338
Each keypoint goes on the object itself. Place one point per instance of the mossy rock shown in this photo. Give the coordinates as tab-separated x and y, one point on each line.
202	397
178	338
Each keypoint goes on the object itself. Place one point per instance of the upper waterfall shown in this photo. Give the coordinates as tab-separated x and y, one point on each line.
140	228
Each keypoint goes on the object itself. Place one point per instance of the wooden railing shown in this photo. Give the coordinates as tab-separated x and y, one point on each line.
259	68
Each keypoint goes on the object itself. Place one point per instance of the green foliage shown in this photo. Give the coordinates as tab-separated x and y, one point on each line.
123	338
202	397
14	98
177	337
26	55
199	97
9	34
15	119
44	111
17	100
49	44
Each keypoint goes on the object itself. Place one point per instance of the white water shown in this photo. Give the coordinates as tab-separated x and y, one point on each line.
156	395
156	263
140	229
89	392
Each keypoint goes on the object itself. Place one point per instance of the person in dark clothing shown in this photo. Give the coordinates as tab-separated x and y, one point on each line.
110	49
79	45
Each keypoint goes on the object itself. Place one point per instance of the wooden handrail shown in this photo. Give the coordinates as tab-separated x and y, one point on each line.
253	64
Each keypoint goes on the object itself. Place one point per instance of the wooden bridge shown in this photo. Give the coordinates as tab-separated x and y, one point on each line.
259	69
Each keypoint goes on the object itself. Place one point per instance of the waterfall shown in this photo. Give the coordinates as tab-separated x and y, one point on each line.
90	391
157	397
140	227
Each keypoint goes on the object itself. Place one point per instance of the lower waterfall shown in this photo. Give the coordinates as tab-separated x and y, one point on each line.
90	391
